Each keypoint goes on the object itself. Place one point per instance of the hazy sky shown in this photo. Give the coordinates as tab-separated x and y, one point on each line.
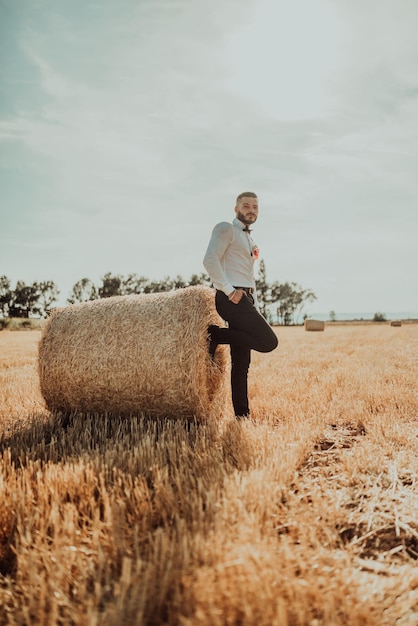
128	128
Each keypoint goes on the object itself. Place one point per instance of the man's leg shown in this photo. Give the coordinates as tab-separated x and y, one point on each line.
247	330
240	362
246	326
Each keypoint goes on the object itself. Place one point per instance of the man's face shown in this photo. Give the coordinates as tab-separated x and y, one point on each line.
247	210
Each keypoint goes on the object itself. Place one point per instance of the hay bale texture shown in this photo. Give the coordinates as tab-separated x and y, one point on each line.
314	325
144	354
396	323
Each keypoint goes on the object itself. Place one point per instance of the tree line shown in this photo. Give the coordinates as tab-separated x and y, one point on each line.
37	300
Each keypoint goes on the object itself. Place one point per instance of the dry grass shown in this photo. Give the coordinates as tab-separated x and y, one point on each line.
306	516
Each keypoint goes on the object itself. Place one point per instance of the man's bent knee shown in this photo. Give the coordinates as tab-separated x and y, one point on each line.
269	344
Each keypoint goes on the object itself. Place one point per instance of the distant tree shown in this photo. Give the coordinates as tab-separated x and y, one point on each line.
292	299
48	294
302	296
263	289
379	317
290	296
134	284
154	286
165	284
118	285
25	300
170	284
285	307
111	286
5	296
199	279
178	282
332	316
83	291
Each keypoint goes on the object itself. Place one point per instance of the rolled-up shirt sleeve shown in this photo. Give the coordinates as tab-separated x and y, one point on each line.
222	236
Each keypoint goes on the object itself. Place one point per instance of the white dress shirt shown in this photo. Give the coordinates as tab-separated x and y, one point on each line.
229	259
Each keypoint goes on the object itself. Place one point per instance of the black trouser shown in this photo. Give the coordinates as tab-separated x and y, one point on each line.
247	330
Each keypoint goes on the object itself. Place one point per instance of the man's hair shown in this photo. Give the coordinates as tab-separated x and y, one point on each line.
246	194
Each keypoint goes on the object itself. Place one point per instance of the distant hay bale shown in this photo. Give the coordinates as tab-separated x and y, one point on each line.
134	354
314	325
396	323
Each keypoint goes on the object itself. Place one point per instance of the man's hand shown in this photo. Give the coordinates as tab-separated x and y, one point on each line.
236	296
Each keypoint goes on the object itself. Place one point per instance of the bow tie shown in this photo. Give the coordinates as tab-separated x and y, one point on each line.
246	230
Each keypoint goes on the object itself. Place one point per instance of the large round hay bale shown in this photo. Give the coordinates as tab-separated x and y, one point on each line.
134	354
396	323
314	325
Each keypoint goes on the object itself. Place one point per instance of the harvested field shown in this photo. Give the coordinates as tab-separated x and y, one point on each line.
304	516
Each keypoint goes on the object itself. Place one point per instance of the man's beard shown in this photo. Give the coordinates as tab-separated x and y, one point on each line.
242	219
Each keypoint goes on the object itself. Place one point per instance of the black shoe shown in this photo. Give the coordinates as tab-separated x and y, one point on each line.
213	344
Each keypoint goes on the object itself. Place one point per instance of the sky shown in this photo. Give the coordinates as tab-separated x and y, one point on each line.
128	128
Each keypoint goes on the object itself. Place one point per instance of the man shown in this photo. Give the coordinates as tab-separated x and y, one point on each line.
229	261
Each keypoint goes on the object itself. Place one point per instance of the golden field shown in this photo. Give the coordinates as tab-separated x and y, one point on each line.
306	515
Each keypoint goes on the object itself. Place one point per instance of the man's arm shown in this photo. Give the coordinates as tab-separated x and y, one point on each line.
222	237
